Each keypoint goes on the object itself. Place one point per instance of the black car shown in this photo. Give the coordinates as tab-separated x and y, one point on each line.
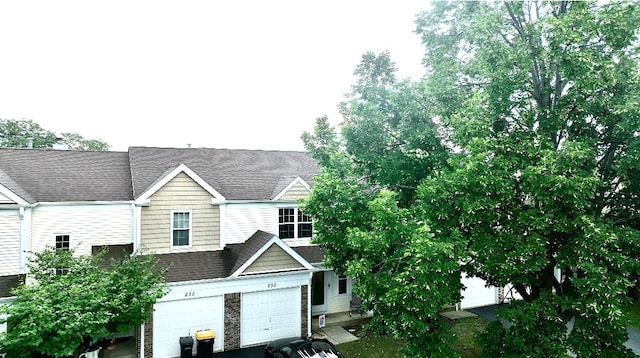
297	347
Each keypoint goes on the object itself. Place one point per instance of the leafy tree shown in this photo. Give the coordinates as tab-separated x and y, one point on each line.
16	134
520	152
76	300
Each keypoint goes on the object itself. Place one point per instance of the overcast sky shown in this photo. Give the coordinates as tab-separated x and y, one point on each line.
248	74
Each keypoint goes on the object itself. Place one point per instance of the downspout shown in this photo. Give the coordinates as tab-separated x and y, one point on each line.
142	340
309	320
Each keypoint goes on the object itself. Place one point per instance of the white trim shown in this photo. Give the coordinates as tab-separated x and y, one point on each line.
174	247
182	168
274	240
12	196
222	210
291	185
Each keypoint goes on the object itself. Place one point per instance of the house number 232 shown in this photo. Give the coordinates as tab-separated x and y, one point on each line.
189	294
271	285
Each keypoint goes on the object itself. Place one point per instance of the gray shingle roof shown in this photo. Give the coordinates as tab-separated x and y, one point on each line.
237	174
203	265
40	175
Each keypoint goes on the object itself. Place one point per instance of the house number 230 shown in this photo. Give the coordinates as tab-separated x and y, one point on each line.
189	294
271	285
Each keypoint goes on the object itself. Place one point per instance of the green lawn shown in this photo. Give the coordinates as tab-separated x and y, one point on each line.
370	346
633	314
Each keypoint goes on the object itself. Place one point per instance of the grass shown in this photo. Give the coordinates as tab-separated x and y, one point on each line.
370	346
632	313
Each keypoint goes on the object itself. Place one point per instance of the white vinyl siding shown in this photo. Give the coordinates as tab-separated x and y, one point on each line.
180	194
242	221
9	242
86	225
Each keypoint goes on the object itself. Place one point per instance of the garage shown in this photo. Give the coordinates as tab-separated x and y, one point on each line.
269	315
175	319
476	293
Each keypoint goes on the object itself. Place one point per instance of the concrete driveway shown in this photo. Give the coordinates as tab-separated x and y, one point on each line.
489	313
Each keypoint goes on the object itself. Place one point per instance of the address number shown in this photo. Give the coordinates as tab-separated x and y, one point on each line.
189	294
271	285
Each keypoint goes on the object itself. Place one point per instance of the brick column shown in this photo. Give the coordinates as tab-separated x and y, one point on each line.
231	321
148	337
304	310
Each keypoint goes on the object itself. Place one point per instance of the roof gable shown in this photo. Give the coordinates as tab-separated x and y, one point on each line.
182	168
237	174
296	182
257	245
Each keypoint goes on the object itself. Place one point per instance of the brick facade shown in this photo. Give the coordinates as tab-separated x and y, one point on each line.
304	310
148	337
231	321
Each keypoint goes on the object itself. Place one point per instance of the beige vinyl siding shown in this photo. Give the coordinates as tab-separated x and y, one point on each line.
296	192
86	225
180	194
5	200
9	242
273	259
242	221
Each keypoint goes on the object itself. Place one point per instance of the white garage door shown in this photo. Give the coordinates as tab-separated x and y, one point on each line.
175	319
269	315
476	294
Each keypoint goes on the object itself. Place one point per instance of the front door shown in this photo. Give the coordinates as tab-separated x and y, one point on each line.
319	292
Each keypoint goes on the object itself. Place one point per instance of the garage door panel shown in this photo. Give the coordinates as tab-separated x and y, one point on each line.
477	294
269	315
175	319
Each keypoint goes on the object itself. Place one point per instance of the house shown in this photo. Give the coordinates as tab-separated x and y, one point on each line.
227	223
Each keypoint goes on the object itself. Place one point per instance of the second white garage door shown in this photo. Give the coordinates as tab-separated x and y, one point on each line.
175	319
269	315
477	294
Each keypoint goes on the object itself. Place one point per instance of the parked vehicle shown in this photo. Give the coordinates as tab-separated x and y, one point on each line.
297	347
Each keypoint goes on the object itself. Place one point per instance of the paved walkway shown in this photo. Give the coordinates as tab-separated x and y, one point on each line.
489	313
336	335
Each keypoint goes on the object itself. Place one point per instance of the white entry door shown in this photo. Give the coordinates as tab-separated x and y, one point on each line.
269	315
175	319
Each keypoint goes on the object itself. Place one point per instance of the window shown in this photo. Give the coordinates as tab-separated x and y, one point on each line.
62	242
293	223
181	228
342	285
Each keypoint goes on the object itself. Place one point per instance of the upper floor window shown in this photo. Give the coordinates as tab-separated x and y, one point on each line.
293	223
181	228
62	242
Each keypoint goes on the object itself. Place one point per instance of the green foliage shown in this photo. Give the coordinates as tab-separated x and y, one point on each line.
516	159
59	314
16	134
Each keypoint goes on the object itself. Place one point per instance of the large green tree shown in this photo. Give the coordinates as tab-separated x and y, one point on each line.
17	133
75	300
516	159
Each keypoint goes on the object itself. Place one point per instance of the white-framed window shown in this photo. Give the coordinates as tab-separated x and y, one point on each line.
181	228
293	223
343	282
62	242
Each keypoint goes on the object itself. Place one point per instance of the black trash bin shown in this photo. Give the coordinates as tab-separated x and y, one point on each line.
186	347
205	339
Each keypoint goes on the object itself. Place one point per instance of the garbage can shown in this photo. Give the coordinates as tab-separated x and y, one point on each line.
186	347
205	339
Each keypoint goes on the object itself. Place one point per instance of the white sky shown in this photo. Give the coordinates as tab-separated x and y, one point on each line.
248	74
